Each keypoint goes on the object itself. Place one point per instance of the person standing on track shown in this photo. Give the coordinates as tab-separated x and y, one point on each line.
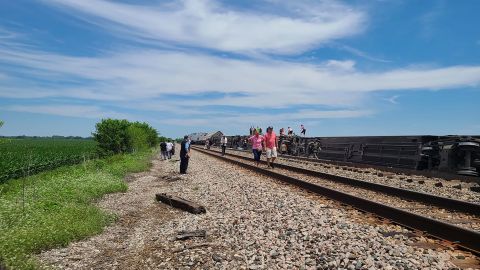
184	154
223	142
271	144
257	146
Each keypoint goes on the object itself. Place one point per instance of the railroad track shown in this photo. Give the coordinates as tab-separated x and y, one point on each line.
434	186
454	221
398	170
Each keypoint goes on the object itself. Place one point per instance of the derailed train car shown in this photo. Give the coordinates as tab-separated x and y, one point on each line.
453	154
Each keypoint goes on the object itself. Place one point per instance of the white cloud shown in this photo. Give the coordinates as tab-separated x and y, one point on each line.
360	53
347	65
67	110
393	99
264	119
145	74
294	27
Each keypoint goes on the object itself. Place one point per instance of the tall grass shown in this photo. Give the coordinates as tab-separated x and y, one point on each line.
53	208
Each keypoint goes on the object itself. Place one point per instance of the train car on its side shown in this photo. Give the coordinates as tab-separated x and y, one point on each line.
452	154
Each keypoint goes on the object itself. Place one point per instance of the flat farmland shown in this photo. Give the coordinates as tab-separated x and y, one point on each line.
24	157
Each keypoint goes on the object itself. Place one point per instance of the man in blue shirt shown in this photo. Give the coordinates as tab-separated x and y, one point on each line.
184	154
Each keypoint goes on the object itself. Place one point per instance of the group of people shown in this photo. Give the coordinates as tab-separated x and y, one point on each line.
267	143
167	150
223	144
303	131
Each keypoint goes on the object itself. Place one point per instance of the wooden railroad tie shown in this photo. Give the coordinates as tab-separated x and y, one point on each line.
180	203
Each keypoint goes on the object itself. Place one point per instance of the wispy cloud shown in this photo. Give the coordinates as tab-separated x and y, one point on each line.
361	53
68	110
264	119
147	74
192	56
208	24
428	19
393	99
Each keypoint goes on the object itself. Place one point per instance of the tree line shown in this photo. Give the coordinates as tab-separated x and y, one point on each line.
116	136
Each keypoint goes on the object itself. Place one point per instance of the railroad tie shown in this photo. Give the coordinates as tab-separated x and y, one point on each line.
180	203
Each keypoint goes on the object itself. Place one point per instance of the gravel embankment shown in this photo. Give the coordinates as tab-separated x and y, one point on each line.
450	189
252	222
468	221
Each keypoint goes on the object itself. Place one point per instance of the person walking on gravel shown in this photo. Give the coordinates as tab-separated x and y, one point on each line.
184	155
163	150
169	149
257	146
223	142
271	144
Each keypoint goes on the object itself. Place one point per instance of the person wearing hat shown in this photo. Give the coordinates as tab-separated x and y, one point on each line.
184	154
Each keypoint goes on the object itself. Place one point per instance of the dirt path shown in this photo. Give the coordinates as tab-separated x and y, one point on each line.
252	222
132	238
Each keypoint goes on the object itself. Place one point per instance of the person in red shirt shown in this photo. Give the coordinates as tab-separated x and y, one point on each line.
271	144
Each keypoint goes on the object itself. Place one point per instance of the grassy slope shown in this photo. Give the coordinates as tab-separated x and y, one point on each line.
56	207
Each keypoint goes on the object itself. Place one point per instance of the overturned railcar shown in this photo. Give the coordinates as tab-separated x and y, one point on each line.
452	154
458	154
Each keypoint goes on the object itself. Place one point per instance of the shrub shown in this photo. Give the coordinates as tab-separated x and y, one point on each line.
137	138
112	136
120	136
149	133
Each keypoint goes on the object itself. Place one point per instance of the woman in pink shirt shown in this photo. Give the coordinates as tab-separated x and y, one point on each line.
257	145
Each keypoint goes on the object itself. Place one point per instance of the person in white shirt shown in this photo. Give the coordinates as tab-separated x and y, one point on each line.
223	143
169	149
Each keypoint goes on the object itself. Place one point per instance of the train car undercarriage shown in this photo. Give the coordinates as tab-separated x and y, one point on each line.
452	154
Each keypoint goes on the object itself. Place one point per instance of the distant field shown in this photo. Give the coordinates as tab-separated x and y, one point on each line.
23	157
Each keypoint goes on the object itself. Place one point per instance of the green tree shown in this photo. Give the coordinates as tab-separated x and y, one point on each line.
112	136
137	138
119	136
150	133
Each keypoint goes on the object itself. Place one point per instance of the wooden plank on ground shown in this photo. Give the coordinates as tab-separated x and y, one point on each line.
180	203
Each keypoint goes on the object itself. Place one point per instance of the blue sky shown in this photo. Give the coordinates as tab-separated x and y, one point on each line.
339	67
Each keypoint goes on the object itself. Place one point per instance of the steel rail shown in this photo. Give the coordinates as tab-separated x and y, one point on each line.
443	202
464	238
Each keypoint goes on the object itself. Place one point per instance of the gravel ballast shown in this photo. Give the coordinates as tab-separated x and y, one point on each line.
454	189
252	222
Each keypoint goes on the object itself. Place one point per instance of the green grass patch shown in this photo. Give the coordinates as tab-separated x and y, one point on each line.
23	157
53	208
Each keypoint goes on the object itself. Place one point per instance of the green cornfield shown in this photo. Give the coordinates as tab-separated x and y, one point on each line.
24	157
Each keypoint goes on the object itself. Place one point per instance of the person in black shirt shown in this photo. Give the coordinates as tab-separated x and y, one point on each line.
184	154
163	149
